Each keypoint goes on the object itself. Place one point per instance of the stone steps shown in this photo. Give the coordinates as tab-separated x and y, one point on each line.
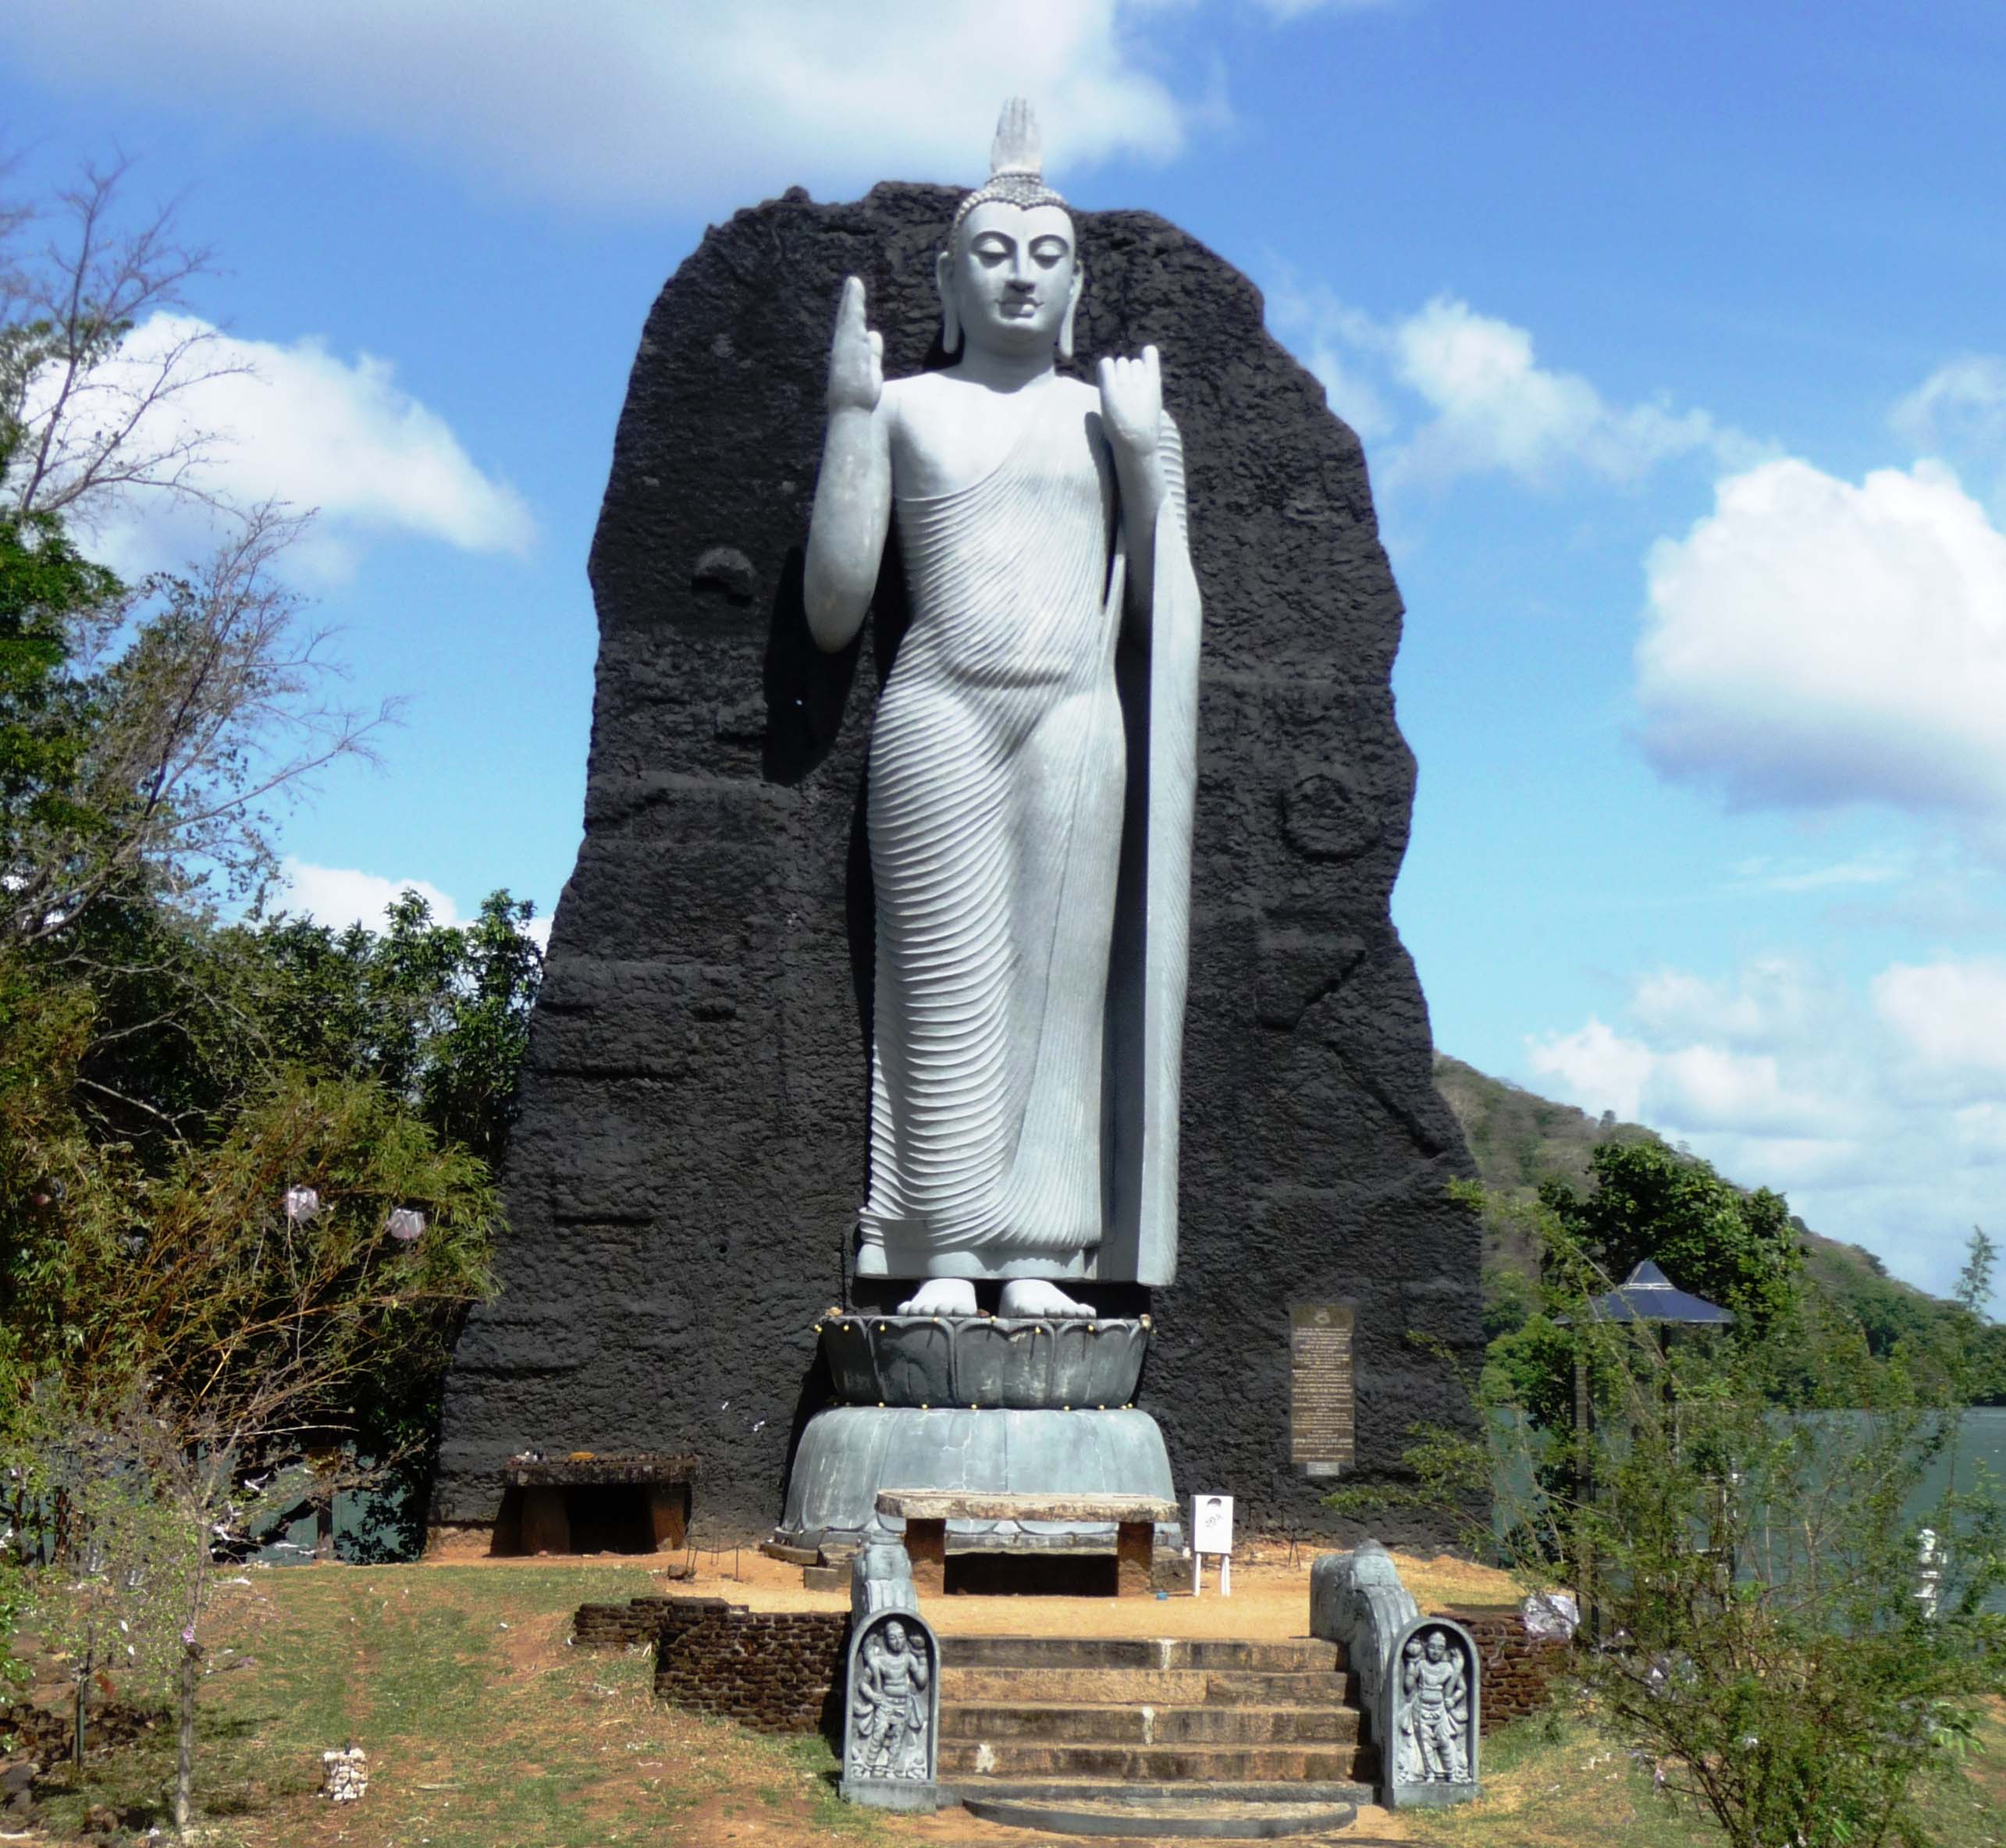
1127	1724
1144	1765
1180	1818
1158	1736
1160	1687
1158	1653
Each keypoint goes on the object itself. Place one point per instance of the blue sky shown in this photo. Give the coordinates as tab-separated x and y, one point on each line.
1674	333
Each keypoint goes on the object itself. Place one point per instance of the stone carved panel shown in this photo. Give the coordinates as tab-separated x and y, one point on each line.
891	1712
1022	1364
1429	1705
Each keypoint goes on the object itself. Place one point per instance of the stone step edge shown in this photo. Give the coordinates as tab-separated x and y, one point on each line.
1166	1821
964	1784
1104	1723
1305	1690
1100	1706
1329	1656
1208	1764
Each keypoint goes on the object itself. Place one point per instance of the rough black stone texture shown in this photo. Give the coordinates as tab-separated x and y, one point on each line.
691	1148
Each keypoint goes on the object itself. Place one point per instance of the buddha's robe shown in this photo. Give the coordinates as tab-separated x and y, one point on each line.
1005	772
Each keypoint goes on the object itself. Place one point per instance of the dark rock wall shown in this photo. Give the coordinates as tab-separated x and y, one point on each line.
691	1148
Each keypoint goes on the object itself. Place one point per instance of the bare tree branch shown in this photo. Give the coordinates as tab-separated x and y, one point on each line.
85	410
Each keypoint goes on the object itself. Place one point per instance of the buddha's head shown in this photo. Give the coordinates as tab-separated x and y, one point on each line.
1010	278
894	1637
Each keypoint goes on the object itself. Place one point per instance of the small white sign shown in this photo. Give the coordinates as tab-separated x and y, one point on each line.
1211	1523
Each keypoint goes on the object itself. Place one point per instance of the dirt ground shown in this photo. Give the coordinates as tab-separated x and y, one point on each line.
1270	1600
487	1728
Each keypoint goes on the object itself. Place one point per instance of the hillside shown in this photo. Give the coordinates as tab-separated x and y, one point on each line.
1519	1140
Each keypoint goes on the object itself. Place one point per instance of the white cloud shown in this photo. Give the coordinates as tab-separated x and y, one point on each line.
340	896
1497	410
1949	1016
1456	392
1597	1068
298	424
1879	1111
1771	995
1878	868
1810	642
1958	413
624	102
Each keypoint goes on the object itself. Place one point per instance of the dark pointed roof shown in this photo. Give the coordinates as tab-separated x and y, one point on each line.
1648	1295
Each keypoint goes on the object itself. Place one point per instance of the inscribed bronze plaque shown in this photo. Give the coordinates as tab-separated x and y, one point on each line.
1321	1401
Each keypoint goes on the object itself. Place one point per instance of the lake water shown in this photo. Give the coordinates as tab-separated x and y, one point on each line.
1981	1444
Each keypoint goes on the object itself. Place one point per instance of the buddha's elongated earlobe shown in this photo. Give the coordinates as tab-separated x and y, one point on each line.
1071	308
943	280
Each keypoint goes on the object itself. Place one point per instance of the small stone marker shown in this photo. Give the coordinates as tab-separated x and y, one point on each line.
345	1774
1211	1532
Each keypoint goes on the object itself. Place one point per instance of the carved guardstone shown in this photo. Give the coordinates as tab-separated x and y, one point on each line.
892	1702
1430	1714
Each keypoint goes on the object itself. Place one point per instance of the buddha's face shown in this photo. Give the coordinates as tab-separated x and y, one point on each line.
894	1638
1437	1648
1014	274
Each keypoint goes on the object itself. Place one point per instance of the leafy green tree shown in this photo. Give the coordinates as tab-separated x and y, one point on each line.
1746	1540
118	1559
1646	1201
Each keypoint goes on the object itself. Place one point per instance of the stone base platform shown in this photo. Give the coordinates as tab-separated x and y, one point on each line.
849	1454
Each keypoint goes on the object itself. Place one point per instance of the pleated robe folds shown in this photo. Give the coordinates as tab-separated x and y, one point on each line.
1031	778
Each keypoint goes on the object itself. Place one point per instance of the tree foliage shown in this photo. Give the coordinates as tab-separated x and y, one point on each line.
245	1164
1743	1515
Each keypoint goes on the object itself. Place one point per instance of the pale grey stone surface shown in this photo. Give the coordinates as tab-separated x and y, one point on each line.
1032	773
892	1709
1429	1717
1357	1599
881	1580
850	1453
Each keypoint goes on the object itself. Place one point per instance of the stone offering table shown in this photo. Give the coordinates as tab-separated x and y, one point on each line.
926	1513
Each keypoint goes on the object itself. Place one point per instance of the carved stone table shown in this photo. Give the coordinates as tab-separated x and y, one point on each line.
926	1513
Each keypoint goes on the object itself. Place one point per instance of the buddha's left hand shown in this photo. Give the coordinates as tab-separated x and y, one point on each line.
1132	406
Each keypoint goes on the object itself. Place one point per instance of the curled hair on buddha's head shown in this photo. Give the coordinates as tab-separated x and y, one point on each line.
1016	177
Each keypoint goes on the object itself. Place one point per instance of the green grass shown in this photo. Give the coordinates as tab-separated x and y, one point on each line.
1551	1784
483	1729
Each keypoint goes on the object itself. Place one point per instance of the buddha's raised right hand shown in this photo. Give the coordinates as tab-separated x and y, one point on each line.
856	355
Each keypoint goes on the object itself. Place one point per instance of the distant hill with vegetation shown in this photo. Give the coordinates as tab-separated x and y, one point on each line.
1520	1139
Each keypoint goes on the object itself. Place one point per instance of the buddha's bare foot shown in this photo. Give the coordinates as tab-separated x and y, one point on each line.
940	1296
1034	1296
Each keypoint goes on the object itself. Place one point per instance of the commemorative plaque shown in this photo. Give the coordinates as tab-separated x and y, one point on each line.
1321	1401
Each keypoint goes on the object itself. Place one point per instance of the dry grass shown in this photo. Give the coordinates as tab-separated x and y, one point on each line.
486	1729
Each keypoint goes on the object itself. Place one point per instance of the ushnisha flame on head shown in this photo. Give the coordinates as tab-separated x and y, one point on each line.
1017	167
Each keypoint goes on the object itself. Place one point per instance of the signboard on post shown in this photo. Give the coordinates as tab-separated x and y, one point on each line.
1211	1532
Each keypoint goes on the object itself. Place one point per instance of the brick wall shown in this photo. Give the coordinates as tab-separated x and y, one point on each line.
621	1626
775	1671
1518	1670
